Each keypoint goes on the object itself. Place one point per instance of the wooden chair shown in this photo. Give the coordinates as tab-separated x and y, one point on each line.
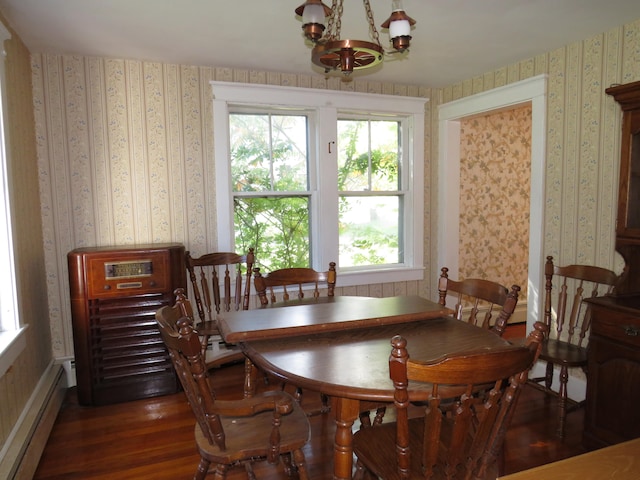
211	277
569	320
476	299
479	295
296	280
461	433
228	433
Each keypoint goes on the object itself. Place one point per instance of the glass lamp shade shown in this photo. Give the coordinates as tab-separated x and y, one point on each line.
313	13
399	25
399	28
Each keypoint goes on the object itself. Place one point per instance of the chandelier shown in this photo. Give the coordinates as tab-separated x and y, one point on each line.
333	53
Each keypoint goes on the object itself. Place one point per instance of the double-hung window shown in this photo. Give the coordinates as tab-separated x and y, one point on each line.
310	176
12	339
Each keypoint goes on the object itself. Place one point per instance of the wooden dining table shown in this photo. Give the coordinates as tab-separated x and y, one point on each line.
315	346
616	462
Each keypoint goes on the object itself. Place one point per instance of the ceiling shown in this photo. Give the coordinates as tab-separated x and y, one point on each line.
453	40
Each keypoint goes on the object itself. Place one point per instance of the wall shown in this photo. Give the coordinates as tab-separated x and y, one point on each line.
17	385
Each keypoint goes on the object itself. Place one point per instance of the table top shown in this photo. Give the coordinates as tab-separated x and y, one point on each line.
617	462
622	302
326	314
355	363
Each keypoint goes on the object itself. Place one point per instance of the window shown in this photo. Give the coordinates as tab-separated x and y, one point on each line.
270	185
11	342
306	183
370	192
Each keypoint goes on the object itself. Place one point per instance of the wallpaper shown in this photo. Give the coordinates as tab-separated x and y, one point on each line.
125	154
495	166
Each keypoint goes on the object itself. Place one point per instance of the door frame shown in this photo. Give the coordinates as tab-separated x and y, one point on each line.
534	91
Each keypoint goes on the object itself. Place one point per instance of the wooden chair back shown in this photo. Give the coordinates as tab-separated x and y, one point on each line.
292	281
565	313
230	432
460	435
211	278
476	300
183	344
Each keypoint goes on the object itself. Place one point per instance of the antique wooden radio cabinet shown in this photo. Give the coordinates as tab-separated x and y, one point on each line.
115	292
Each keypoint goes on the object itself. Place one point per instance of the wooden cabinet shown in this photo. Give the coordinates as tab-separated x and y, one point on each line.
115	292
628	221
613	376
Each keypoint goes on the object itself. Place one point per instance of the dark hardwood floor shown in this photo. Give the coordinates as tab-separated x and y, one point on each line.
153	438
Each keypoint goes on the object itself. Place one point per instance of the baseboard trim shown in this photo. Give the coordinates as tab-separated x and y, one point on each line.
24	446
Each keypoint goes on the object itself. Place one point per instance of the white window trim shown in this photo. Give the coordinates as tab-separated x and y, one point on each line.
225	93
12	338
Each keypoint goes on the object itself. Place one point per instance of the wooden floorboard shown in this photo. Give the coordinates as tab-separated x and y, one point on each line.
153	438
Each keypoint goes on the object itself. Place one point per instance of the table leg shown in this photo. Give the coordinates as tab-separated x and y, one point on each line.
346	411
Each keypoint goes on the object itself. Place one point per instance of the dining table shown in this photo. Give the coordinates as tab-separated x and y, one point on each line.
341	348
616	462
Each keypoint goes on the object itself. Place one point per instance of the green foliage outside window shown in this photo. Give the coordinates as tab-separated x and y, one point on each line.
269	171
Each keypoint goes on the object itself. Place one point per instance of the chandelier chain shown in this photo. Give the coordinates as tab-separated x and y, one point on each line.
372	23
334	24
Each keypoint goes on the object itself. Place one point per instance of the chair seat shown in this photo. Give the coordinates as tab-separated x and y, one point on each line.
378	445
209	327
563	353
245	436
221	353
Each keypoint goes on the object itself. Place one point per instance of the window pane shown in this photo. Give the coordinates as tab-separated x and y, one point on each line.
268	152
278	229
368	155
370	231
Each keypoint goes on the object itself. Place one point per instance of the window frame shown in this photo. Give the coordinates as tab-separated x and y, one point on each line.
327	106
12	338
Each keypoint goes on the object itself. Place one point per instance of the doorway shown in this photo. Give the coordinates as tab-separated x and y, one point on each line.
451	114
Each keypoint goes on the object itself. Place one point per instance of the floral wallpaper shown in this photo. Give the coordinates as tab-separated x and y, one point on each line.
495	166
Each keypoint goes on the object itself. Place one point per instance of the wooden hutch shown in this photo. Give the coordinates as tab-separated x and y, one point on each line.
613	377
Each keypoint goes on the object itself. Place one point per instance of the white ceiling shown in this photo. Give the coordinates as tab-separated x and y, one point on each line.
453	40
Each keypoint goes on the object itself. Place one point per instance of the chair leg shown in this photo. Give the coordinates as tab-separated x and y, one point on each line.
203	469
250	378
362	472
379	415
326	406
297	394
548	376
562	400
301	464
248	468
365	419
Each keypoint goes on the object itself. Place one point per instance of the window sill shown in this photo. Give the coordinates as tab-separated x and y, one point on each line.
12	343
349	279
